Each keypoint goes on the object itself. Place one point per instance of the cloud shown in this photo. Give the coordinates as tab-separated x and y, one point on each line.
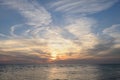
104	43
113	52
25	52
21	59
39	39
3	36
114	32
35	14
48	42
108	45
37	17
81	6
82	29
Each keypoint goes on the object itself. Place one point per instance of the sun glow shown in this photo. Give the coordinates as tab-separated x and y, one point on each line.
53	56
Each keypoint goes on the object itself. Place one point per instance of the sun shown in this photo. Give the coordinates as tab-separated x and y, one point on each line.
53	56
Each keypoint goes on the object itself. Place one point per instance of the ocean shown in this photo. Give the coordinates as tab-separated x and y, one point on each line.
60	72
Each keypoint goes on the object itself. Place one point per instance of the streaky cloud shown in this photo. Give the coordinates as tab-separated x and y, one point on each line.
35	14
114	32
39	39
81	6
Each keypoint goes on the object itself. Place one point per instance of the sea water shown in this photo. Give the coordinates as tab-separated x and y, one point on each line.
60	72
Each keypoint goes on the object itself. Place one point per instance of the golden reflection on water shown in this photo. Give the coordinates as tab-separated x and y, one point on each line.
73	73
59	72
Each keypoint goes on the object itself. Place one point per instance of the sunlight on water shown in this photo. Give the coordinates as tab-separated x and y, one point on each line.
60	72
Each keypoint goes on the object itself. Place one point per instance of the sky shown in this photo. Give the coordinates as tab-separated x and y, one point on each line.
60	31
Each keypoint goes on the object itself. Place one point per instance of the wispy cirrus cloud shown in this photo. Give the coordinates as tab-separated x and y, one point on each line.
82	29
108	43
49	41
81	6
39	39
36	17
114	32
34	13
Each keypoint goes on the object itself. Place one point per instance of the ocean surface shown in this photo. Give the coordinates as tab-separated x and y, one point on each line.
60	72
